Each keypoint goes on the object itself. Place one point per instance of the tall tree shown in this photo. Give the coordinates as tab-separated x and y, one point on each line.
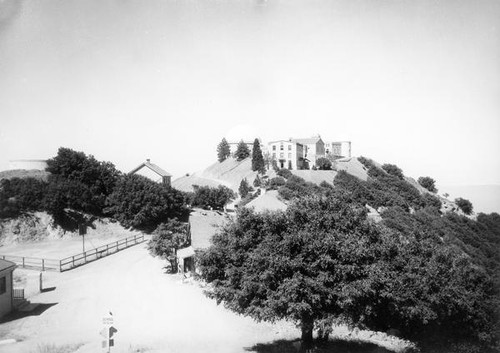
223	150
295	265
167	238
258	163
242	151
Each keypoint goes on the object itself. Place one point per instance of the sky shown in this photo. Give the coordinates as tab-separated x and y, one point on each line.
413	83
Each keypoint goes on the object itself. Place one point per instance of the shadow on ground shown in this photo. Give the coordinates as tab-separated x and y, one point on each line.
38	309
295	346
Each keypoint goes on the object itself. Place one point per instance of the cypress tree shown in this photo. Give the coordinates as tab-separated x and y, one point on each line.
242	151
258	163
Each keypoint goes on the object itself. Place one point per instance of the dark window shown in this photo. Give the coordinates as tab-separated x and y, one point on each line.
274	147
3	285
281	147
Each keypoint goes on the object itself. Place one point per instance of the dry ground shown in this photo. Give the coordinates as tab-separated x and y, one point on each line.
153	312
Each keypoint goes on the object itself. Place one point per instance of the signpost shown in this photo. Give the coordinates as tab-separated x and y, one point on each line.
108	332
82	230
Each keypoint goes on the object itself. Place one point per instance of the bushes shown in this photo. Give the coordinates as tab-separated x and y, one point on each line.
211	198
297	187
285	173
18	196
323	163
428	183
393	170
464	205
276	183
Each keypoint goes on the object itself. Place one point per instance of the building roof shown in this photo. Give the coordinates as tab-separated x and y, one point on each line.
151	166
288	141
4	265
308	141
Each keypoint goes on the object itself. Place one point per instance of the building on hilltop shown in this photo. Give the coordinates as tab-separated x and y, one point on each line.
27	164
152	172
314	148
287	154
338	149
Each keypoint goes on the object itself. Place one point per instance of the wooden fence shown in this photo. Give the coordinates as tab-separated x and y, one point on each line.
75	260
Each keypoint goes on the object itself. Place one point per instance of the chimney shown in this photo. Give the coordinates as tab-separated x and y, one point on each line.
148	160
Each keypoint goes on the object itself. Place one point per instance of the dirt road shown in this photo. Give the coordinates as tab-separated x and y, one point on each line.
150	309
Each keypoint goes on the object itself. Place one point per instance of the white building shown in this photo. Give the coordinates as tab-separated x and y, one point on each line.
287	154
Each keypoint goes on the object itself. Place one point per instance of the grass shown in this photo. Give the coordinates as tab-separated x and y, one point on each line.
52	348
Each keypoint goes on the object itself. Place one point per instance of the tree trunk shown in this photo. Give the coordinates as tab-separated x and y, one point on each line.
307	327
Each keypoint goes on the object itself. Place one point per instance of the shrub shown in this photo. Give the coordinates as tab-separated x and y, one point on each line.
18	196
275	183
464	205
285	173
323	163
393	170
428	183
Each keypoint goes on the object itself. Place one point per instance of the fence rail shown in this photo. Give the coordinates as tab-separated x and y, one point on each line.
18	293
70	262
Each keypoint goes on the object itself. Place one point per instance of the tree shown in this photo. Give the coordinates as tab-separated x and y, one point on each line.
428	183
393	170
242	151
258	163
323	163
244	188
223	150
212	198
167	238
302	264
141	203
465	205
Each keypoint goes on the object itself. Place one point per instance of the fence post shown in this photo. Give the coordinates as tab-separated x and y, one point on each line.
85	257
60	265
43	264
107	249
23	261
73	260
126	242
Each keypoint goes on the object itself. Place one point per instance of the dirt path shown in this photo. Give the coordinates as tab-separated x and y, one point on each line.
150	310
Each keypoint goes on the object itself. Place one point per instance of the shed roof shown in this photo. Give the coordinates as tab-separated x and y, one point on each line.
4	265
151	166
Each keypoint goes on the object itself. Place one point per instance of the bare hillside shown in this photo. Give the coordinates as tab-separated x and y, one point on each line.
228	173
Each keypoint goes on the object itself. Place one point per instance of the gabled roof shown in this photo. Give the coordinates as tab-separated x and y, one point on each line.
4	264
151	166
287	141
308	141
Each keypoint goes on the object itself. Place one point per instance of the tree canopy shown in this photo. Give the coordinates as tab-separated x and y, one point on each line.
324	259
242	151
258	163
223	150
428	183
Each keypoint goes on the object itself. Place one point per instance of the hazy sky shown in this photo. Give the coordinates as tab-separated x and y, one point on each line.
415	83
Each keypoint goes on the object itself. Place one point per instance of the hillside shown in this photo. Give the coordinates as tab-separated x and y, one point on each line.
228	173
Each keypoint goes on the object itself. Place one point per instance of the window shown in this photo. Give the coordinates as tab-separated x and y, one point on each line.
282	155
289	156
289	147
281	147
274	155
274	147
3	285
